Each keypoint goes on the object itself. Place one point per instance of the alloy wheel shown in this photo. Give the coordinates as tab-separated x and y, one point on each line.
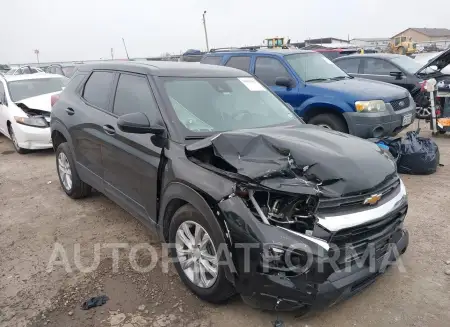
196	254
13	138
65	173
423	112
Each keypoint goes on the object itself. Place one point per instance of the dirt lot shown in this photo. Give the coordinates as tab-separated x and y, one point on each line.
35	215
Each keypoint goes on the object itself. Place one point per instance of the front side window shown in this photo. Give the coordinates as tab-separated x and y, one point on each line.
313	67
206	105
133	94
29	88
268	69
378	66
97	90
239	62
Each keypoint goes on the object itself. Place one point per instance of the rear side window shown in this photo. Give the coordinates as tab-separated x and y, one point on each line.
211	60
133	94
349	66
239	62
268	69
98	89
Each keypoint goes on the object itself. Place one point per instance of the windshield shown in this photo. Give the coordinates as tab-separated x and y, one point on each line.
407	64
207	105
29	88
314	67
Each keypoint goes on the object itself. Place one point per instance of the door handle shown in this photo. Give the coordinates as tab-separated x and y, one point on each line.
109	129
70	111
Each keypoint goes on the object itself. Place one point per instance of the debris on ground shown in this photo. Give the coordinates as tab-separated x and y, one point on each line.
94	302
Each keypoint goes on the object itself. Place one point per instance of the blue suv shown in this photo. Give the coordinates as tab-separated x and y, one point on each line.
321	93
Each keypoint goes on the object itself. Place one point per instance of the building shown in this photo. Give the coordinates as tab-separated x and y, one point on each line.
420	35
324	40
379	43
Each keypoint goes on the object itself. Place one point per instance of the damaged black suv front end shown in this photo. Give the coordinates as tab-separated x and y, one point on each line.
314	217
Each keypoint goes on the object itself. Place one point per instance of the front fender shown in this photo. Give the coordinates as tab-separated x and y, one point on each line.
180	191
332	103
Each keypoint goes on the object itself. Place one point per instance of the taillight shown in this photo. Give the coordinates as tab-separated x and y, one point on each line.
54	98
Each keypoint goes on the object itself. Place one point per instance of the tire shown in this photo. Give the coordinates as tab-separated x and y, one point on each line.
421	113
15	143
401	50
65	165
220	289
330	121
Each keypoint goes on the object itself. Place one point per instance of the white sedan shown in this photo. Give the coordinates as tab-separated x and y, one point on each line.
25	105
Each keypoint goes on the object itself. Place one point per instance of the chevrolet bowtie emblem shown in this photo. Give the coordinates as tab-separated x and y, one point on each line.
373	199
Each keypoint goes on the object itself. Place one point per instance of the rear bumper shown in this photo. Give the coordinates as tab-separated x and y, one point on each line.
388	123
294	293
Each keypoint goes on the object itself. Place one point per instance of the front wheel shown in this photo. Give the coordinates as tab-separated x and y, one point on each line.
329	121
15	142
68	176
196	252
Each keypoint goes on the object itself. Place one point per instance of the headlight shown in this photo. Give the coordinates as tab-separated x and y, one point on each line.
370	106
32	121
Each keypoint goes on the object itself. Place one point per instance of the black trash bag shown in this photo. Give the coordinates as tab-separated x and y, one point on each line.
415	155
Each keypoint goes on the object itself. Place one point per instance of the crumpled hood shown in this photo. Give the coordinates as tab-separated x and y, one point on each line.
359	89
40	102
441	61
300	159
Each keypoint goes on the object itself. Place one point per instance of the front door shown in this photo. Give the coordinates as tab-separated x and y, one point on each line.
3	109
380	69
131	161
267	69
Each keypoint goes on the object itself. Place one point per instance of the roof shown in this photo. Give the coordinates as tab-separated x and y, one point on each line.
10	78
167	68
372	55
371	39
431	32
258	50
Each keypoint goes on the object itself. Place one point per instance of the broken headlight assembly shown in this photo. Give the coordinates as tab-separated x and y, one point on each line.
35	121
292	211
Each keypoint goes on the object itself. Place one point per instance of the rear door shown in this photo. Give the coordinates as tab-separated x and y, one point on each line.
131	160
267	69
87	115
239	62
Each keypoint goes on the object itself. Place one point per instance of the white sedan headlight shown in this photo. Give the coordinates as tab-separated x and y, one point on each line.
370	106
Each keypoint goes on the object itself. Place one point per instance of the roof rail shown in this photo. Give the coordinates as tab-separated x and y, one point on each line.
223	49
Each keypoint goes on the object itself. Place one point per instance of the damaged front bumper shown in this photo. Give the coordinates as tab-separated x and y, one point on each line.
345	254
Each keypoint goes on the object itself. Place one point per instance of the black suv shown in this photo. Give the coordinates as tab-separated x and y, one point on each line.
250	198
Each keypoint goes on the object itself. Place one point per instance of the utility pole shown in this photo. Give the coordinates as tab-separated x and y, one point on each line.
126	51
206	33
37	55
112	53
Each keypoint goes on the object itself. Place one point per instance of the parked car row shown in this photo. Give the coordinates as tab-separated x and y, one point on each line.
322	93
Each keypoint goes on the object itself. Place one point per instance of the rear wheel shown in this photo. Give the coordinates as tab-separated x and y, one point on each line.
15	142
196	253
330	121
68	176
401	50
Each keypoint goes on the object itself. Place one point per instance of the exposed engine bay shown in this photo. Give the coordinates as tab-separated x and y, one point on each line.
33	112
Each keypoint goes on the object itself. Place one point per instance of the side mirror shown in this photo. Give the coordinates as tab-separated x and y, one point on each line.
138	123
284	81
397	75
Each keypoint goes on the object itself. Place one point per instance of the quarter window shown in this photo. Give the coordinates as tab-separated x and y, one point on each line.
268	69
98	89
134	95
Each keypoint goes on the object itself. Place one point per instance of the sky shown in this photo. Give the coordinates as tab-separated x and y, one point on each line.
66	30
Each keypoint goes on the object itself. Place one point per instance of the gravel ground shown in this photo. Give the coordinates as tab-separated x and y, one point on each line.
35	215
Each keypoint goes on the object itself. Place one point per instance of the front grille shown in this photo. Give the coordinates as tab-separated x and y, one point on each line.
400	104
353	242
348	204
